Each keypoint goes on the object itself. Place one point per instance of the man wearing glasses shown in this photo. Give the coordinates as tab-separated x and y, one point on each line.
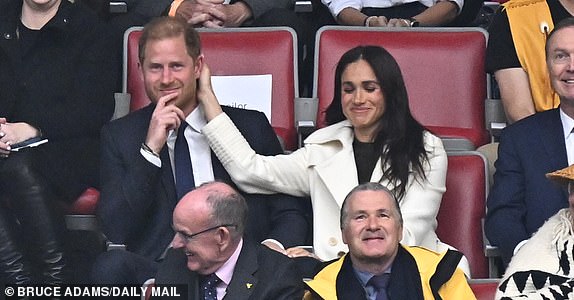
154	156
209	223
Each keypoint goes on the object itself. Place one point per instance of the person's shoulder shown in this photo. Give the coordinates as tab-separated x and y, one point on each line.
423	253
431	139
130	122
338	131
520	3
81	17
271	257
537	120
429	261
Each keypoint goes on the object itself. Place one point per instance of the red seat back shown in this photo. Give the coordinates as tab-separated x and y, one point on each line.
463	208
484	289
237	51
443	70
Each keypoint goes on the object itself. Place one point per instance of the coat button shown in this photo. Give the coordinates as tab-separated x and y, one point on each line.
7	36
332	241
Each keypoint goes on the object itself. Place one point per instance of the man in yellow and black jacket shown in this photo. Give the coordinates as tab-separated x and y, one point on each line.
377	264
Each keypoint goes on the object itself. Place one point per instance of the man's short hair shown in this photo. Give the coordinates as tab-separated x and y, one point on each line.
169	27
227	207
568	22
369	186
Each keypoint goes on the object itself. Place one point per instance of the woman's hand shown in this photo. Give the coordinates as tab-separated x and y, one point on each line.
206	96
13	133
298	252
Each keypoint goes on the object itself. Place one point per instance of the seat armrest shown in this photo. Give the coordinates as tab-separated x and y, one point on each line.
111	246
493	255
495	117
118	7
303	6
305	117
122	107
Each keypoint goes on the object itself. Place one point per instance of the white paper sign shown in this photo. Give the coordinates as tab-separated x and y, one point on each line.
246	91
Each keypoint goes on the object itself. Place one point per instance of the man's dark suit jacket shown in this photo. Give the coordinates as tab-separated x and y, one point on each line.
260	273
137	198
521	198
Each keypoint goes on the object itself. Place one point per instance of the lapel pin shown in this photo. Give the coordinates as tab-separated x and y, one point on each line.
248	285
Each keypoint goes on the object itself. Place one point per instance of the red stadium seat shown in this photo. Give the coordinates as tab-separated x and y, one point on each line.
443	70
484	289
463	208
237	51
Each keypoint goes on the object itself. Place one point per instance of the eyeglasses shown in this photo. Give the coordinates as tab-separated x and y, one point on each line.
188	237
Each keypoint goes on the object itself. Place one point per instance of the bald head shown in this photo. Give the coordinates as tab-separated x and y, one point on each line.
212	204
208	224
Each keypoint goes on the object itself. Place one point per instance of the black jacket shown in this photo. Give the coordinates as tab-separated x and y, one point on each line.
138	198
62	82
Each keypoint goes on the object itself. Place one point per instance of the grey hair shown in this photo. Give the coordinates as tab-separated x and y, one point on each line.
369	186
227	207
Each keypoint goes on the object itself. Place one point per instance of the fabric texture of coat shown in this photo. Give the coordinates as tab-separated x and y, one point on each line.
325	170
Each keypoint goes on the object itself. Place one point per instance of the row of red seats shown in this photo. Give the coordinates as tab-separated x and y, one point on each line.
446	82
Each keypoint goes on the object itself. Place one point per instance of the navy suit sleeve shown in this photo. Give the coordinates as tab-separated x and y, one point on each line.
129	185
506	207
289	217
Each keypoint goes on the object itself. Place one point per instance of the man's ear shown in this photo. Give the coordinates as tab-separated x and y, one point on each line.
223	236
140	68
198	65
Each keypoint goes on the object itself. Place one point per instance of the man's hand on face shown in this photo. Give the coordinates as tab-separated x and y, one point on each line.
165	117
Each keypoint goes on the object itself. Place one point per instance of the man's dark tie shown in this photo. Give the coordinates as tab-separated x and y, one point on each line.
182	162
380	283
208	286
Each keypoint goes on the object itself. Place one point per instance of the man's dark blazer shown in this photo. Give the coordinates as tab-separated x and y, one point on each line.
522	198
260	273
137	198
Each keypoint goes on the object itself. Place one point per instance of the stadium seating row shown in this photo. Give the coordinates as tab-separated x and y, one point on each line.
446	98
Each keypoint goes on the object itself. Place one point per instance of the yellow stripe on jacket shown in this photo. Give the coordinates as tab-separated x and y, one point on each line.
527	20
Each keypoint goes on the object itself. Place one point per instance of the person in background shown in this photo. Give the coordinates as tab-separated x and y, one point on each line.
153	156
531	148
57	82
515	54
372	137
377	265
543	267
209	246
376	13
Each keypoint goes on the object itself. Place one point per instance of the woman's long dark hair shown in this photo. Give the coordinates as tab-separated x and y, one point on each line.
398	131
